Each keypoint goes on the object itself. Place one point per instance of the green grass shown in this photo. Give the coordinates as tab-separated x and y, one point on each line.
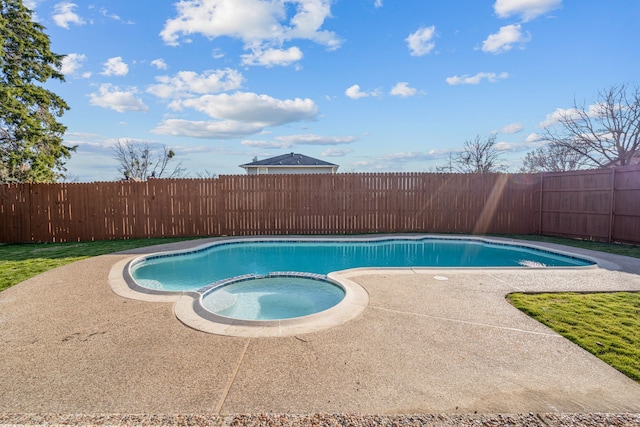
605	324
615	248
20	262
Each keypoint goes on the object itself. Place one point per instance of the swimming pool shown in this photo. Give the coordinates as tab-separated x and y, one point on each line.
200	280
194	270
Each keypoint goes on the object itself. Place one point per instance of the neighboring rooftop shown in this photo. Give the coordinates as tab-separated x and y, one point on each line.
290	163
290	159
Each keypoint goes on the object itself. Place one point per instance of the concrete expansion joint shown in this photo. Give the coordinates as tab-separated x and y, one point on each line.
232	378
517	288
484	325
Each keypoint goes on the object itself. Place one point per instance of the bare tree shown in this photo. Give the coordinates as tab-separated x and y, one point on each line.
449	167
553	158
207	174
139	162
478	156
604	133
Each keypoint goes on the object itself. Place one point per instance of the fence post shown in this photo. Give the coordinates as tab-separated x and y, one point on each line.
31	218
540	205
612	204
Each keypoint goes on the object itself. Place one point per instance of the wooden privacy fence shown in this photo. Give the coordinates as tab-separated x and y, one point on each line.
269	204
600	205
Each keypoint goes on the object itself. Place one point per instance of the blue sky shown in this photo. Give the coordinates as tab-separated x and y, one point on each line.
370	85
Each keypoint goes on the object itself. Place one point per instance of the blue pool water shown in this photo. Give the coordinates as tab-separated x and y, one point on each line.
271	298
195	270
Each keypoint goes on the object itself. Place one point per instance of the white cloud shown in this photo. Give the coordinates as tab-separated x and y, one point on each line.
508	146
263	25
64	15
236	115
71	63
526	9
104	12
367	164
515	147
377	4
414	155
190	83
31	4
310	139
271	57
113	97
593	110
207	129
335	152
476	79
159	64
289	141
115	67
421	42
533	137
397	161
264	144
249	20
554	117
512	128
403	89
253	108
504	39
354	92
309	18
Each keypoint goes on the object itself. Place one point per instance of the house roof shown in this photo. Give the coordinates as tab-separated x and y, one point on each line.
290	159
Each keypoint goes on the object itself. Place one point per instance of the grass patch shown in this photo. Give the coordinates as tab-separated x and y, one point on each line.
605	324
612	248
20	262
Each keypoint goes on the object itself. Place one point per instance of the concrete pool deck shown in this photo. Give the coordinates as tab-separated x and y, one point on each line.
423	345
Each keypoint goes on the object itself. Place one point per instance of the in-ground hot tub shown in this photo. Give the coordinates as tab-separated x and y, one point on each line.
274	296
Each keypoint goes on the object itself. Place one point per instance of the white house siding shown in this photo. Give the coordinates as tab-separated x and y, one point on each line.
290	170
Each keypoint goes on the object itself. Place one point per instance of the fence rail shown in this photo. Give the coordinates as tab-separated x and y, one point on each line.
601	205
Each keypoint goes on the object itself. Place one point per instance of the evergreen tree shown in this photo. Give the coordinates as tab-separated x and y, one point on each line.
31	148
